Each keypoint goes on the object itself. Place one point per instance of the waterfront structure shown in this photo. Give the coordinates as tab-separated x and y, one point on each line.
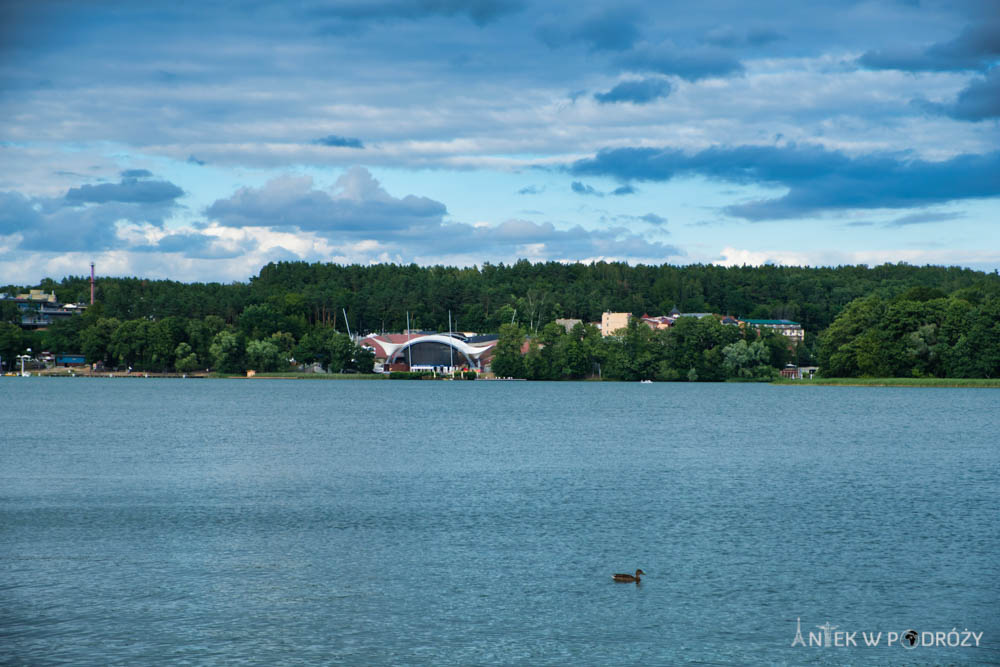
433	351
71	360
793	372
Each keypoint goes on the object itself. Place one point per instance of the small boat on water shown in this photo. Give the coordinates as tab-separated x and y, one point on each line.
645	382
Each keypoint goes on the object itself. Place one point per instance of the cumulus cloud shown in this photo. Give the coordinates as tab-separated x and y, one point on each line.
983	260
17	213
48	224
531	190
339	142
130	190
86	218
357	204
198	245
976	47
513	237
641	91
359	213
817	179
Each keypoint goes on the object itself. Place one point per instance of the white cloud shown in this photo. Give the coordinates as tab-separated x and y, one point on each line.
982	259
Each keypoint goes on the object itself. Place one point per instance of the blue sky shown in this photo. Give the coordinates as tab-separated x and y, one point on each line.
199	141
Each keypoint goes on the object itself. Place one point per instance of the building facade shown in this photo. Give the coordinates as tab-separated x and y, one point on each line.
791	330
612	322
39	309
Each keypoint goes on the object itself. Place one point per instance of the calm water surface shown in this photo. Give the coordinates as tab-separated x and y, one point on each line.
291	522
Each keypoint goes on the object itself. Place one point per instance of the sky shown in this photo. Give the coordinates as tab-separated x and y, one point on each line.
200	141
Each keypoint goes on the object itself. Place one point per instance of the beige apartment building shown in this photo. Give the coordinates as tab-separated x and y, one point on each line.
612	322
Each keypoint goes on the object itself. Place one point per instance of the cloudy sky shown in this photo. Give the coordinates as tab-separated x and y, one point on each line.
198	141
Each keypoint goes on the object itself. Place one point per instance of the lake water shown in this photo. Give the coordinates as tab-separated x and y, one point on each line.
290	522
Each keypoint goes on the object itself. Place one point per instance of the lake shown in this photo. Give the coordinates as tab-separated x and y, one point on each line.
385	523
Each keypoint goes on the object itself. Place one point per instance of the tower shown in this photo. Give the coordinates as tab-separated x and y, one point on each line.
91	283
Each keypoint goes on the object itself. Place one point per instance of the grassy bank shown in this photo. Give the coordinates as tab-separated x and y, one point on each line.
895	382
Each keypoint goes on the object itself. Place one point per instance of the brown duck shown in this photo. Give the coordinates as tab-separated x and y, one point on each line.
628	578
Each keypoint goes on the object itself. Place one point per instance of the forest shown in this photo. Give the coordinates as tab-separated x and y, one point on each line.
893	320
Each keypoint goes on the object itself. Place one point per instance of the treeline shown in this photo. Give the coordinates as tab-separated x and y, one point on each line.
378	297
922	333
296	309
262	339
692	350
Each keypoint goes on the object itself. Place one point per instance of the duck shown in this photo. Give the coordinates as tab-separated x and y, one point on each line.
628	578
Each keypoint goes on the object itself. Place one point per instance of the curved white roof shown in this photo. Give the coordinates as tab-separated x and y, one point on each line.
471	351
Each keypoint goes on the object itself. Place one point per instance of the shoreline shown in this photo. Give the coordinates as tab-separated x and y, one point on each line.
966	383
961	383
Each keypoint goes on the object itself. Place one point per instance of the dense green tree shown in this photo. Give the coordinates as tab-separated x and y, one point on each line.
11	344
63	336
364	360
922	337
164	336
227	352
839	346
264	355
697	344
534	365
639	355
778	352
128	344
9	312
186	359
341	352
285	342
260	321
507	360
95	340
315	346
750	361
199	334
